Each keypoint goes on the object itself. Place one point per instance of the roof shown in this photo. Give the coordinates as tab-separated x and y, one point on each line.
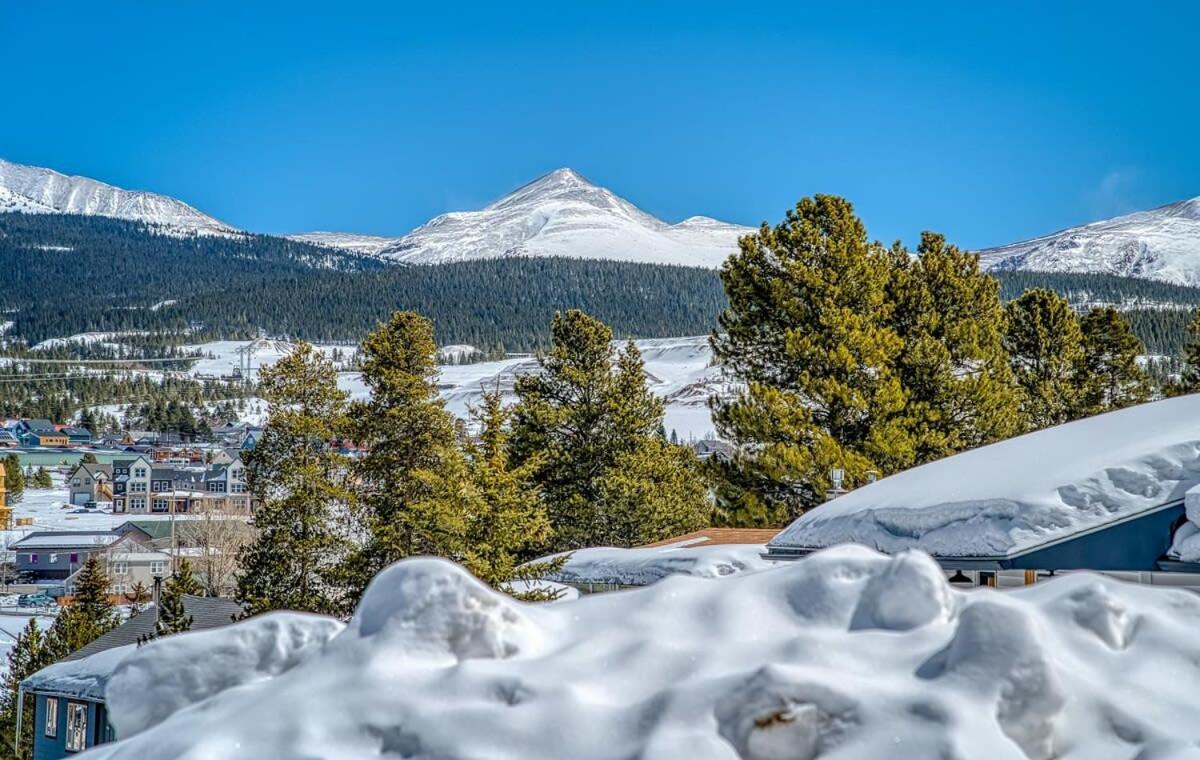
205	611
1016	496
75	431
67	539
40	426
94	469
720	537
85	672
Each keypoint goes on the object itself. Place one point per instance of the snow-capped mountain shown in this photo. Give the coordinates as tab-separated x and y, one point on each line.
1159	244
32	189
559	214
354	242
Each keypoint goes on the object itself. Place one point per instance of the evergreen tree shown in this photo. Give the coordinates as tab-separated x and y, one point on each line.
1109	372
1190	380
961	391
172	617
580	419
90	613
808	331
1045	348
509	519
14	479
28	654
410	480
299	484
88	458
41	479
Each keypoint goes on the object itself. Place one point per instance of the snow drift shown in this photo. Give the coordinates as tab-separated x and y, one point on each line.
1010	496
845	655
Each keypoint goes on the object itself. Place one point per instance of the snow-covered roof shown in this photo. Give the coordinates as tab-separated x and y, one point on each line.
1013	496
85	678
66	540
649	564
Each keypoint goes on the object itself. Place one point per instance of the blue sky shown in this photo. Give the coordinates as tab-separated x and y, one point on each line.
989	121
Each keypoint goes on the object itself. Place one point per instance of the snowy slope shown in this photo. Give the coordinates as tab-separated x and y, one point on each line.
1160	244
996	500
846	655
32	189
369	245
559	214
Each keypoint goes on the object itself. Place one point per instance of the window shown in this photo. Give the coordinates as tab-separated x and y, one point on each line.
137	488
76	727
52	717
139	472
74	558
53	558
160	505
237	487
137	503
33	559
119	588
120	568
75	482
158	567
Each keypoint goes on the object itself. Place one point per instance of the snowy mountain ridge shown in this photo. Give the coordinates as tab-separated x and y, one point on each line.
1159	244
32	189
557	214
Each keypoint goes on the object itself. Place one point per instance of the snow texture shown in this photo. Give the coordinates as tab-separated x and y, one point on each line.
645	565
844	655
31	189
1160	244
558	214
1011	496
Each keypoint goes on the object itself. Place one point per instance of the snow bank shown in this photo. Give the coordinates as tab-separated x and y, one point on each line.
1010	496
845	655
645	565
169	674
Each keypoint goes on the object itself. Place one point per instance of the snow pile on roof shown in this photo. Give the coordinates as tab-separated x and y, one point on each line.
645	565
85	678
845	655
1011	496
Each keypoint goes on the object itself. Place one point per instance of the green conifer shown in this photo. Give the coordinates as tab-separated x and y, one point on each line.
1190	379
89	614
14	479
299	485
172	617
28	654
1045	348
1109	373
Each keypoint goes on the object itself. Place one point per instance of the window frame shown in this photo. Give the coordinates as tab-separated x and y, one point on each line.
76	734
50	727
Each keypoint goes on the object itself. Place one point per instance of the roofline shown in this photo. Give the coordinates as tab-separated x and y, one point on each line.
787	553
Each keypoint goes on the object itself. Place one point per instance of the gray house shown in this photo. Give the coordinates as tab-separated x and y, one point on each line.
90	481
55	555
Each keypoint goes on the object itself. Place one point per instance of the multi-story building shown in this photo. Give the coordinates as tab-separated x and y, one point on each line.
141	487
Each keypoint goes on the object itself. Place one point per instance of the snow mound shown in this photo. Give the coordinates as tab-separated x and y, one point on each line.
645	565
1011	496
169	674
845	655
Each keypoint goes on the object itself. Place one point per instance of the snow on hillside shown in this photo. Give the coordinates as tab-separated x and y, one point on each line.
846	655
558	214
369	245
31	189
1160	244
999	499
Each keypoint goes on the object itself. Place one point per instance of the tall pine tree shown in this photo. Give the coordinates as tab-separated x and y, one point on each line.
583	417
409	481
14	478
29	653
172	617
960	388
1110	375
90	613
1190	379
1045	349
809	332
299	484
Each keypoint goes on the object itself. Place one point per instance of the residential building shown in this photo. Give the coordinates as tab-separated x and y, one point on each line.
131	485
8	440
55	555
127	566
35	433
76	436
70	714
90	481
142	487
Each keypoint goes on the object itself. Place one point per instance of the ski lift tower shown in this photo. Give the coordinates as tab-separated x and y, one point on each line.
245	359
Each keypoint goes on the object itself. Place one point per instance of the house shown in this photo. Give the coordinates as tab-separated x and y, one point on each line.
129	566
8	440
55	555
34	433
77	436
131	484
67	698
1109	493
250	439
90	481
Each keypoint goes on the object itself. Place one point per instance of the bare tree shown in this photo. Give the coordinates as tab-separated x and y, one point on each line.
215	538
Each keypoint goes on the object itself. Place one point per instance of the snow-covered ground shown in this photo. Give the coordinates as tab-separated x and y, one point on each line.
1000	499
845	655
645	565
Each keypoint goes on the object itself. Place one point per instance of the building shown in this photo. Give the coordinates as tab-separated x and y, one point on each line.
70	715
8	440
1106	493
129	566
142	487
56	555
35	433
76	436
90	482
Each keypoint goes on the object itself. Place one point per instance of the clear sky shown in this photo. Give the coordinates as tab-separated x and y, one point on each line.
989	121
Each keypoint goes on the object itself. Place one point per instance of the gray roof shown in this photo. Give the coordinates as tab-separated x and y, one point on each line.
67	539
94	468
206	612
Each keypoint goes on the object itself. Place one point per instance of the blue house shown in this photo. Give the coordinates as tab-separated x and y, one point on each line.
70	714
